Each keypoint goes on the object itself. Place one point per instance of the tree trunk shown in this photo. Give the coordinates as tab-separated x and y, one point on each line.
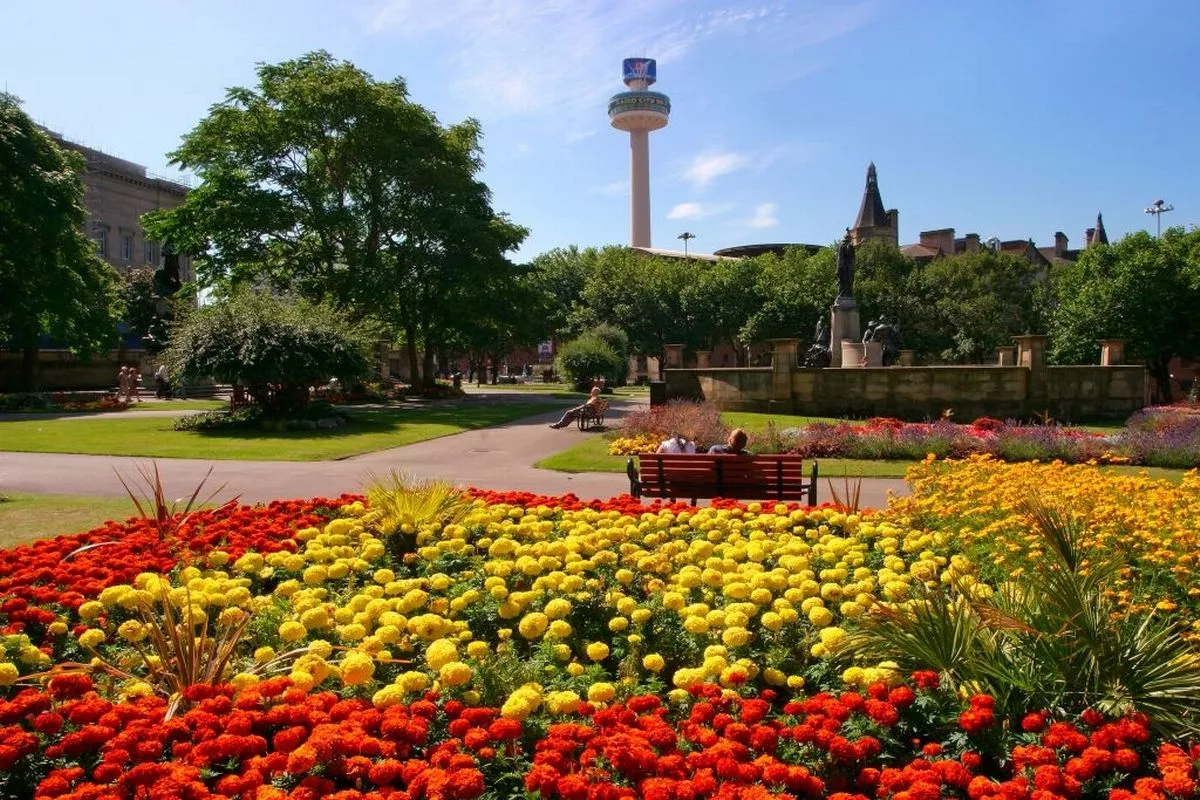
427	376
1161	371
29	367
414	366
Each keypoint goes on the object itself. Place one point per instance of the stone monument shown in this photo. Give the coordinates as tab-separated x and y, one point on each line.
844	321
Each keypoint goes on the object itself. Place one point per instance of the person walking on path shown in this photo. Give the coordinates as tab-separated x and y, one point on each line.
575	413
134	388
123	385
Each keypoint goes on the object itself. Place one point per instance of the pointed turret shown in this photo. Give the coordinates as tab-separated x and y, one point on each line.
1097	235
871	213
874	222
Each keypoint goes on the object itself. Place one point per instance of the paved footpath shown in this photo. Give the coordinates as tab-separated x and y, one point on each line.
500	457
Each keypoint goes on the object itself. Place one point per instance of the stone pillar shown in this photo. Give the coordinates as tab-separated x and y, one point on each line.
873	354
1006	356
1031	351
702	358
907	358
1031	354
844	327
674	356
783	361
1112	352
852	355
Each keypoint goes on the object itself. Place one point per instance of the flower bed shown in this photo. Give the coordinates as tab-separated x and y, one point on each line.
60	401
543	645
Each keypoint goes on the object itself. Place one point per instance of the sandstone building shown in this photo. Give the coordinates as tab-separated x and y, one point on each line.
117	192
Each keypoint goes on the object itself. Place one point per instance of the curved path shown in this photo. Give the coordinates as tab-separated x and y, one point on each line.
500	457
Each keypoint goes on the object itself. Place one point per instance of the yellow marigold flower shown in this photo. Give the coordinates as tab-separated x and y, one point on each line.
264	654
412	682
575	669
357	667
8	673
565	702
533	625
735	637
601	692
292	631
131	630
820	616
243	680
218	558
92	638
559	629
443	651
302	680
597	651
618	624
90	610
454	673
388	696
57	628
557	608
654	662
478	650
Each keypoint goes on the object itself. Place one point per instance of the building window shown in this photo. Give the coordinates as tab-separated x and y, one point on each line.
102	243
148	254
127	248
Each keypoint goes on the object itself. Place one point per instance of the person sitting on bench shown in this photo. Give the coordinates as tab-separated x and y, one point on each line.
575	413
677	444
736	445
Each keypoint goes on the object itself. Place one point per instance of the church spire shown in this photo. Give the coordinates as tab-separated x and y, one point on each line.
1098	234
871	213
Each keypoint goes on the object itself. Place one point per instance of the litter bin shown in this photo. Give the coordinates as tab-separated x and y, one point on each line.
658	393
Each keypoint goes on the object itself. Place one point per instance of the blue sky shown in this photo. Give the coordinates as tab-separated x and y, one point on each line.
1012	119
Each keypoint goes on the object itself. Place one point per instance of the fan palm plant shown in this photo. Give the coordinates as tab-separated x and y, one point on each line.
401	506
1051	638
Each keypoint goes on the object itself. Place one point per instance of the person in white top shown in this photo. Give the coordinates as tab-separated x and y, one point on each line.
677	445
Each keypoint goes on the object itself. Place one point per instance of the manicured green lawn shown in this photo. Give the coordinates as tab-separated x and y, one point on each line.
152	437
26	517
591	455
180	405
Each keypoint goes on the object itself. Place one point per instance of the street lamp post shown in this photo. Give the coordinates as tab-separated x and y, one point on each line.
686	236
1158	208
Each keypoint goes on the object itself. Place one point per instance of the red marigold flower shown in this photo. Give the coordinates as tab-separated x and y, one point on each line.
1034	722
1092	718
926	679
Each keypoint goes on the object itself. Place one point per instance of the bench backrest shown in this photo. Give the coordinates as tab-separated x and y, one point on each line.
774	477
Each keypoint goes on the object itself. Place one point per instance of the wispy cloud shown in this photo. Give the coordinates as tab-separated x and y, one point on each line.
706	167
695	210
558	58
764	217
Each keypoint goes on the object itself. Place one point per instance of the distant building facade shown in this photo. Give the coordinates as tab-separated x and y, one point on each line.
876	223
117	193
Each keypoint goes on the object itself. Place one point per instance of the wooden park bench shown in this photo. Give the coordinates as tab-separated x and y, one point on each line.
761	477
592	416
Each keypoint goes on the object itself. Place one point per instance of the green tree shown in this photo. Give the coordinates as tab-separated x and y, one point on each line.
723	296
51	280
1141	289
561	275
587	357
325	182
641	296
963	307
277	348
795	291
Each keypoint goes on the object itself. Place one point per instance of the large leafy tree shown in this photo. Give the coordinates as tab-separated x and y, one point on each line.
1141	289
274	346
52	282
327	183
794	290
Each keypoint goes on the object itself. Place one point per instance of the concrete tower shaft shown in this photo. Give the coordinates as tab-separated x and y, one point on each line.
637	112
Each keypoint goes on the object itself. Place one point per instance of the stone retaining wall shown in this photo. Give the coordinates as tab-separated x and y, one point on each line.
918	393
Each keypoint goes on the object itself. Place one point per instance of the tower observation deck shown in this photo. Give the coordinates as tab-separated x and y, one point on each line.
637	112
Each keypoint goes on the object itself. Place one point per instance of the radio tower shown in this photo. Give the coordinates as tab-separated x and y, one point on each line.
639	111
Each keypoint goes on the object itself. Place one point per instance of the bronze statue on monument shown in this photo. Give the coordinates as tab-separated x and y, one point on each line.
845	273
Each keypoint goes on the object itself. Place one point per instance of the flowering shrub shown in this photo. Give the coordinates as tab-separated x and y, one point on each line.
60	401
538	646
697	422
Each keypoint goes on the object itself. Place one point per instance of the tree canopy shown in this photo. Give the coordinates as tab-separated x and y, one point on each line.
1141	289
51	280
276	347
327	183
